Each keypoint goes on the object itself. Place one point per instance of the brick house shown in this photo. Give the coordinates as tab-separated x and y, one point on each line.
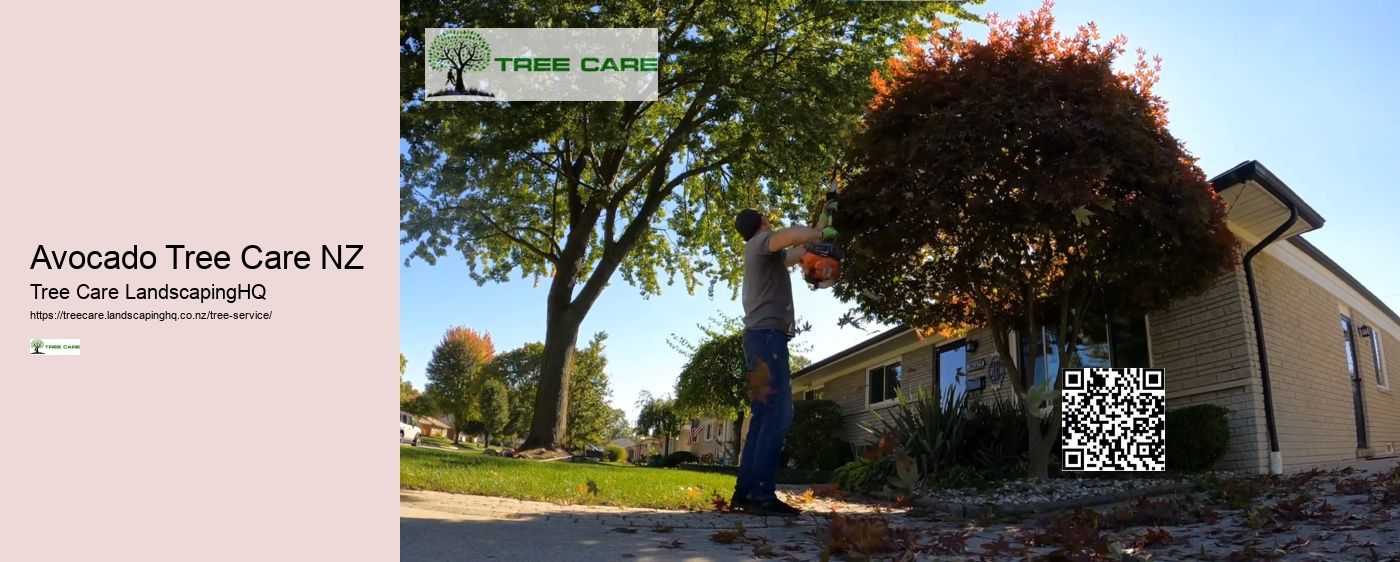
1322	397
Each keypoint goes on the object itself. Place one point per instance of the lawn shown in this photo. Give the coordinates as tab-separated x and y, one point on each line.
559	481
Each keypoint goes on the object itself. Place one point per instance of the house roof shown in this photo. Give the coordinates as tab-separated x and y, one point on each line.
431	421
1337	270
1259	202
884	336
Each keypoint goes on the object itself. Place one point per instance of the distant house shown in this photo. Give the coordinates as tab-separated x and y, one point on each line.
711	439
1321	398
432	427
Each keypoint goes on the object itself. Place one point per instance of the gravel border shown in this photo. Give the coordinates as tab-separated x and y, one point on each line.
992	504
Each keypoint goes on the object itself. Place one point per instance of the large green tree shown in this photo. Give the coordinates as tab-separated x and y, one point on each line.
658	418
454	375
754	100
589	390
713	382
495	408
519	370
1023	181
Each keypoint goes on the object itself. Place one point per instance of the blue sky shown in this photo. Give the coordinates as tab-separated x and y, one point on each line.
1307	89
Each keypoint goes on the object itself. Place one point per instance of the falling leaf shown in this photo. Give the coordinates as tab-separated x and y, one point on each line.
758	382
592	487
1082	214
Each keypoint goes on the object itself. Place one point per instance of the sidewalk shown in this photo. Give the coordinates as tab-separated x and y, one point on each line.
437	526
1356	522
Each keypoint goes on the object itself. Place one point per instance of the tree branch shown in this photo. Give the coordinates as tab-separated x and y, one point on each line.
550	257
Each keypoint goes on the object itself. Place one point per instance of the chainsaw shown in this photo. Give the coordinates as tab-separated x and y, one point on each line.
821	265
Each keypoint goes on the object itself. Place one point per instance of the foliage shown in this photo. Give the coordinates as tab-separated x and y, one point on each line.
454	381
420	405
812	435
616	453
618	426
578	192
995	439
1197	436
1013	178
495	408
675	459
658	418
932	431
864	474
519	369
403	363
590	415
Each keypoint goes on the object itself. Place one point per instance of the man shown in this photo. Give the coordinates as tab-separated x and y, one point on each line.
769	322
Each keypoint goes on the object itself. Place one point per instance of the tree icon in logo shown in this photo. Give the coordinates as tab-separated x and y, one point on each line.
459	51
36	344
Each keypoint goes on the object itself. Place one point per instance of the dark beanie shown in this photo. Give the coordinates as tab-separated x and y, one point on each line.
747	223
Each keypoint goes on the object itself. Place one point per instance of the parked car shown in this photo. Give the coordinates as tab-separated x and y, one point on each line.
409	432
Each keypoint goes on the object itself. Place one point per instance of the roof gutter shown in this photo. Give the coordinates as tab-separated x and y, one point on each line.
1275	457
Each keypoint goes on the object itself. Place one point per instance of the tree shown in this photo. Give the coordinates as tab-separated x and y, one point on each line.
1023	181
519	370
458	50
658	418
495	408
588	393
753	101
403	363
713	382
454	384
618	427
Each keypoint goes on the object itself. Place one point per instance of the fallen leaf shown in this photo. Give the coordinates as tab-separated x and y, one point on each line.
659	528
624	529
672	544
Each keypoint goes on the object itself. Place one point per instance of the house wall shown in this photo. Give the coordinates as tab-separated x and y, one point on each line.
1382	403
1312	388
1205	345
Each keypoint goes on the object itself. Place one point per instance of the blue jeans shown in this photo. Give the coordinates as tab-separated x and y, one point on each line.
770	419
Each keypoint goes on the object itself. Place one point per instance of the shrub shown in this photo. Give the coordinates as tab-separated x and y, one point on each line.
675	459
834	453
815	423
932	431
995	440
863	475
1197	437
616	453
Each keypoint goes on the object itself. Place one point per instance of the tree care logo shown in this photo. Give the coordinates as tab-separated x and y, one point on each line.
458	51
500	64
38	346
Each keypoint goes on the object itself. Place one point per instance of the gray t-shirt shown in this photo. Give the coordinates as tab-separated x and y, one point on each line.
767	287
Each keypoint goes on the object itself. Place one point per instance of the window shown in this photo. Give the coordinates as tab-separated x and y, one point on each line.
1377	357
812	395
709	431
882	382
1120	341
1349	346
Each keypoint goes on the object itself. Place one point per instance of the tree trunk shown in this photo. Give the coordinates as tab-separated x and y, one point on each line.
550	424
1040	445
457	81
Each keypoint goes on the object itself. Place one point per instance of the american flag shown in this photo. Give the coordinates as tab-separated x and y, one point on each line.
695	434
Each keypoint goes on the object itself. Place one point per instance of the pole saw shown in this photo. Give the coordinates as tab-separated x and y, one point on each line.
821	265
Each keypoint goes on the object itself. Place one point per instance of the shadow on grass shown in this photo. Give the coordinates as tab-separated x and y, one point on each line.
447	92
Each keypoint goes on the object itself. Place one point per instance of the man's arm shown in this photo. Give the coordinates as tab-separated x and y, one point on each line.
789	237
793	256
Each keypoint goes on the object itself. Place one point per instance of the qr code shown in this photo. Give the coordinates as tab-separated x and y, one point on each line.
1115	420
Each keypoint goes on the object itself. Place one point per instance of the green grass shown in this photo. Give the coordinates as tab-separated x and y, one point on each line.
556	481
